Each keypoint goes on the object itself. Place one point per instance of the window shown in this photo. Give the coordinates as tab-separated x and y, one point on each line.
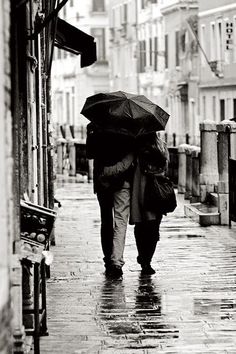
68	107
125	14
203	44
150	51
177	48
219	41
204	107
141	66
214	107
183	41
222	109
155	53
234	107
142	56
99	34
213	42
166	51
98	6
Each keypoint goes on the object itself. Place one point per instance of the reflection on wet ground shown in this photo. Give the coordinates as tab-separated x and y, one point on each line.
187	307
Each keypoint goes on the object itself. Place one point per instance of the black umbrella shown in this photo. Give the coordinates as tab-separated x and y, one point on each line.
126	112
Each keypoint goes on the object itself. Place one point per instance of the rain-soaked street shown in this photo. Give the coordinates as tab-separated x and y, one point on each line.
188	306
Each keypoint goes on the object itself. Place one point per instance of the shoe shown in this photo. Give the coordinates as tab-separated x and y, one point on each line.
108	271
115	272
147	269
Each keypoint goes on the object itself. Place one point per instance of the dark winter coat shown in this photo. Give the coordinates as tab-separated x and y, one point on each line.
112	156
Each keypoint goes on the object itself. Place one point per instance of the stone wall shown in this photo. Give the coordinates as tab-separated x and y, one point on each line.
6	220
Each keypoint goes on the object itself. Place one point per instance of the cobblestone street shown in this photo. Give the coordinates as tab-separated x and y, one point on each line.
188	306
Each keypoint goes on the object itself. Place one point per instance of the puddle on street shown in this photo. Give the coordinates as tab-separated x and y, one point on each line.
142	316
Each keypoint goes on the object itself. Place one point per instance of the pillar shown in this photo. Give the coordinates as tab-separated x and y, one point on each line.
72	158
188	186
209	159
60	154
233	140
182	168
225	129
195	197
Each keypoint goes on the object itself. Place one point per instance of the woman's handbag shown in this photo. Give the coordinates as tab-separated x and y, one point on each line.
160	194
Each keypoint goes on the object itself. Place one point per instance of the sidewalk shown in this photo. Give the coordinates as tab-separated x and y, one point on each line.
187	307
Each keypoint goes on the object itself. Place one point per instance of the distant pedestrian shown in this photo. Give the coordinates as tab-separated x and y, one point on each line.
112	182
152	158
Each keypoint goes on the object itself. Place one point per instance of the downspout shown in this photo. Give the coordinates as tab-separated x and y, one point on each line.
137	47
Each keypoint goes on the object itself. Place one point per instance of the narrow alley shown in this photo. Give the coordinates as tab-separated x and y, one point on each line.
188	306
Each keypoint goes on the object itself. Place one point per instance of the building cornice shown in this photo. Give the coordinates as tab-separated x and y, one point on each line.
216	10
178	6
217	84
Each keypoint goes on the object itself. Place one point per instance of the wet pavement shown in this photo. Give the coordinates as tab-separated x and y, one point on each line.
187	307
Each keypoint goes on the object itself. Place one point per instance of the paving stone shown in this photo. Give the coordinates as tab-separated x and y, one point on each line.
187	307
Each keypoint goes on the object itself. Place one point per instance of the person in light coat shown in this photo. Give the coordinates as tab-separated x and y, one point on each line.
152	157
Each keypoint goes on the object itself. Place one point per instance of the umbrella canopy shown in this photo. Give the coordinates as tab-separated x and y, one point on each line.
125	111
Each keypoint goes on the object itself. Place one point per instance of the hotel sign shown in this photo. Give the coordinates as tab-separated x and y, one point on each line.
229	36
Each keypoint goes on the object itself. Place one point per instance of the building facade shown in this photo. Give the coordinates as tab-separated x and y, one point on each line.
159	59
71	84
181	69
151	50
123	46
136	47
217	34
26	154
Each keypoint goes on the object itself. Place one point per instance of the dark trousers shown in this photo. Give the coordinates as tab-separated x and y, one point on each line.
146	236
106	201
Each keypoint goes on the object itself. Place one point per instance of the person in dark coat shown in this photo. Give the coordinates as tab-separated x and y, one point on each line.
152	157
112	176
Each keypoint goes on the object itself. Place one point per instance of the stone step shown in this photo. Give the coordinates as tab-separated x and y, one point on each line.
204	214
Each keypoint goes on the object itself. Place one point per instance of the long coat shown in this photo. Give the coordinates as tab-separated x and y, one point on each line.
152	158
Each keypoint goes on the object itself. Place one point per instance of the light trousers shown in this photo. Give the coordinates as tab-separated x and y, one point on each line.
115	209
121	215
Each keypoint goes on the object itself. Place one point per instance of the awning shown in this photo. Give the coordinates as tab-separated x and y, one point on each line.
76	41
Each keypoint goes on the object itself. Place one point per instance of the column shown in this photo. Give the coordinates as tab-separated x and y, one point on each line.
188	187
182	168
226	129
195	197
72	157
209	159
60	152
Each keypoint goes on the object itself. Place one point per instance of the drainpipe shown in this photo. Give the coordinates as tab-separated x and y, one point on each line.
137	46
